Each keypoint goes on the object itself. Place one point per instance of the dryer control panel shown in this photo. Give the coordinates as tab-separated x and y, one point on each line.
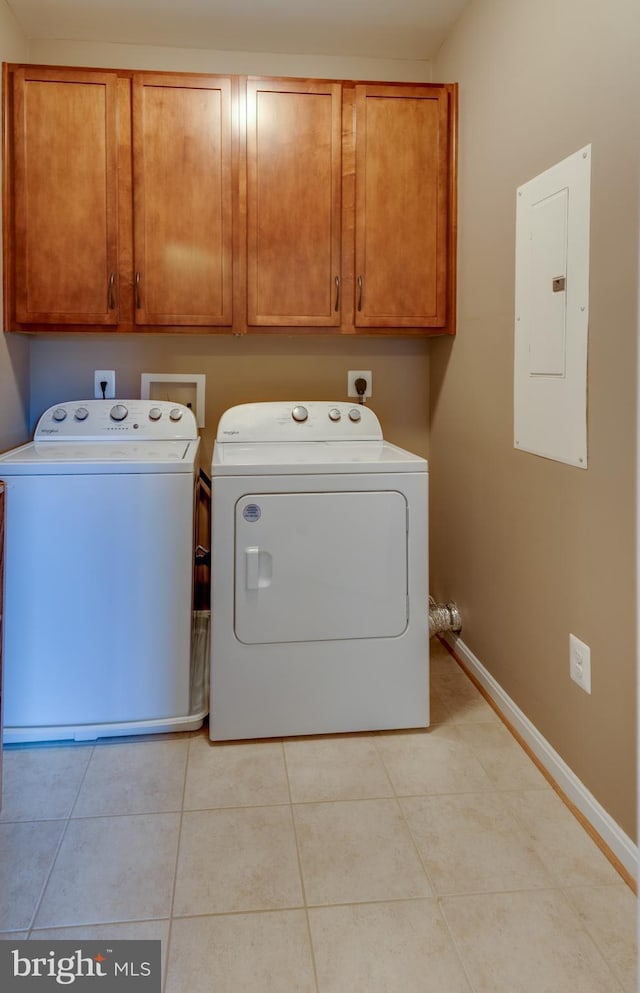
313	420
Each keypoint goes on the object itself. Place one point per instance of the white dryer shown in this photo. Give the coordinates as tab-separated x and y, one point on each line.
99	571
319	574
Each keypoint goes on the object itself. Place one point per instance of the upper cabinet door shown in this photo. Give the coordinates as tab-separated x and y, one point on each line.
182	200
65	185
402	206
293	203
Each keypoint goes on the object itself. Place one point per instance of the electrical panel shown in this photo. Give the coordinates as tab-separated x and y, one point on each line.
552	311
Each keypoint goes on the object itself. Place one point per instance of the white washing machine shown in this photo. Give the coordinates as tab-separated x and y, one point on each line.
99	571
319	574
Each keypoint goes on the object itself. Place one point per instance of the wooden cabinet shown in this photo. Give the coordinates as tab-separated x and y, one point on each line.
402	206
397	270
146	202
65	208
293	203
182	200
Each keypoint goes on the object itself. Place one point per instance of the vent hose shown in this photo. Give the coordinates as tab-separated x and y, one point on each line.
443	617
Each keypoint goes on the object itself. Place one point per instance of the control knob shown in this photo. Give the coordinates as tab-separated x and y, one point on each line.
59	414
119	412
334	414
81	414
155	414
175	414
300	413
354	415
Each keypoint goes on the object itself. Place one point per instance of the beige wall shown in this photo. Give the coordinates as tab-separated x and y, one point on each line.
104	55
14	349
532	549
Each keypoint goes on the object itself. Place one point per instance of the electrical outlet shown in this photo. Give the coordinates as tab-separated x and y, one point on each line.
580	663
107	376
352	375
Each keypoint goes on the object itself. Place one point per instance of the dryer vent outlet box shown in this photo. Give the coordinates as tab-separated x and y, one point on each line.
552	311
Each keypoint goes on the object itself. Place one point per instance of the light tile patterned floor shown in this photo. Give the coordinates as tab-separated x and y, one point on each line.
434	861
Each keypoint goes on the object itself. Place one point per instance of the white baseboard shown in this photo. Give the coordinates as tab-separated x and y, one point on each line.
621	846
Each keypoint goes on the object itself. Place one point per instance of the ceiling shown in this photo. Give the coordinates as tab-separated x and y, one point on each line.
392	29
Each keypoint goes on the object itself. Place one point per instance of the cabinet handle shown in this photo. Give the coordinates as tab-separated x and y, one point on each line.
111	296
359	292
337	304
138	300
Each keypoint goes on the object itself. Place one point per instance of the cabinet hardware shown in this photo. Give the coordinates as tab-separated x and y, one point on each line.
359	292
558	284
337	303
111	297
138	300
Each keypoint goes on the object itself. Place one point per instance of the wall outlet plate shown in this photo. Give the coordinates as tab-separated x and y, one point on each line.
580	663
354	374
107	376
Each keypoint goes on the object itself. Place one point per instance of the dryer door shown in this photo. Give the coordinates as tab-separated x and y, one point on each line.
320	566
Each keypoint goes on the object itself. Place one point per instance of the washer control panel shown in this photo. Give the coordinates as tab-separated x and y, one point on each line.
315	420
96	420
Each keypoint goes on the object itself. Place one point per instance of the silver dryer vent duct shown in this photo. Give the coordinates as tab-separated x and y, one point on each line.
443	617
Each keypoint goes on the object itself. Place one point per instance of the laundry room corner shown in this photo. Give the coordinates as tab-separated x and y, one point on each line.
314	684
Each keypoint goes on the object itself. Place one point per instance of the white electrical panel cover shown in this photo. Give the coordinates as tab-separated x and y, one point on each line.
552	311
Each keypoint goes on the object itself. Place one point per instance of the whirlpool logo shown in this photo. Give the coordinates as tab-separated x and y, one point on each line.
118	966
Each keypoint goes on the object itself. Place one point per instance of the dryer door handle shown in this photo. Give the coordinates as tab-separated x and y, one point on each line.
258	568
252	568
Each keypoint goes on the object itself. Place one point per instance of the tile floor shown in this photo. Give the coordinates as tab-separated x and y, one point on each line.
434	861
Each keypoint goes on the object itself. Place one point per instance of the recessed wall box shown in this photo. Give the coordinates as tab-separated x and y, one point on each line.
181	387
